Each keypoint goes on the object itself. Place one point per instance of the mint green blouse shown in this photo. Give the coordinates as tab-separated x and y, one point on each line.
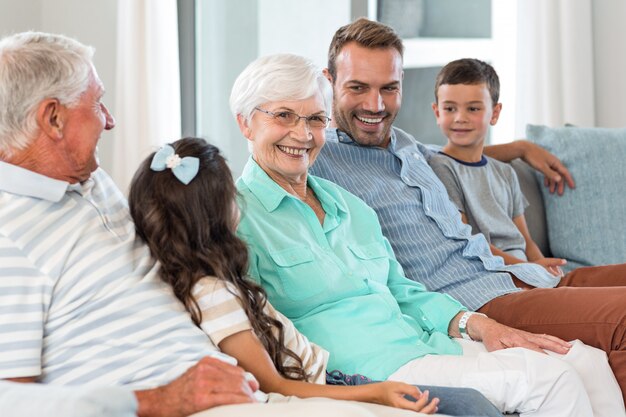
340	282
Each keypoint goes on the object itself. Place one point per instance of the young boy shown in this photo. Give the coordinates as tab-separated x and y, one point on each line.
486	191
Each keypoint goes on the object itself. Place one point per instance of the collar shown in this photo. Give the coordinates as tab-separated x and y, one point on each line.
482	162
20	181
271	194
344	137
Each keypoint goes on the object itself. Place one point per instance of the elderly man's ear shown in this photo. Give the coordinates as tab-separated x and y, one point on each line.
51	118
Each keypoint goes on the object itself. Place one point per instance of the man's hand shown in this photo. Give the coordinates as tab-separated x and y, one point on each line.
556	175
497	336
207	384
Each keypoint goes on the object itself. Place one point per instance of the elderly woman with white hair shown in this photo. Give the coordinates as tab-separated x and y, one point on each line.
319	253
282	107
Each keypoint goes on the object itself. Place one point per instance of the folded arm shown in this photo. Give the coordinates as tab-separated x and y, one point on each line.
207	384
556	175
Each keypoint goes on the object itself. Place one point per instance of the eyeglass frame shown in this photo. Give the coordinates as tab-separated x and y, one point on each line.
307	120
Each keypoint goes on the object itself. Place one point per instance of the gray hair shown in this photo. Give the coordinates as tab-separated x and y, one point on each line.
278	77
36	66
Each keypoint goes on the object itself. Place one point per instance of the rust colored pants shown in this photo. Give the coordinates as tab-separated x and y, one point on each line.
589	304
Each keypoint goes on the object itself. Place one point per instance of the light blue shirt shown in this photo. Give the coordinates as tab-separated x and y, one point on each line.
339	282
423	226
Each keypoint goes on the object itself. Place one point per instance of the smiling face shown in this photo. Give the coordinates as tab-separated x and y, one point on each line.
367	93
285	153
84	124
464	113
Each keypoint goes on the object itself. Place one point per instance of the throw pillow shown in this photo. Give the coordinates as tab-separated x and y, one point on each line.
587	225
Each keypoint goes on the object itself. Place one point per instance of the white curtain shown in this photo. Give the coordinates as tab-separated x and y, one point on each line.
555	63
147	86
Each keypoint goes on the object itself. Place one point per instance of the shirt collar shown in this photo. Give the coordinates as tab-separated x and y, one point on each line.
20	181
401	143
344	137
481	163
271	194
331	202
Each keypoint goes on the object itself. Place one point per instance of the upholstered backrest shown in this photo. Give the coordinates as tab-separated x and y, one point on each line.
586	224
535	213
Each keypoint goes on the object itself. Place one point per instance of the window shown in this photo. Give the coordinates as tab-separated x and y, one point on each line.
231	34
436	32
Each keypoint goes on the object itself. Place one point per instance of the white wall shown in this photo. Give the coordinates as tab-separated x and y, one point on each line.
18	16
609	43
303	28
92	22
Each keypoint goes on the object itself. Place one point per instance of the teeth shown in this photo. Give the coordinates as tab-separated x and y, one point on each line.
292	151
369	120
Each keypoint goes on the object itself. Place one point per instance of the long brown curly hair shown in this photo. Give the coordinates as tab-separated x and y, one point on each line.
190	231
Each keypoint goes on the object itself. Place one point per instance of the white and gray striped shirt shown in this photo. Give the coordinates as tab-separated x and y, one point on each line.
423	226
80	298
223	316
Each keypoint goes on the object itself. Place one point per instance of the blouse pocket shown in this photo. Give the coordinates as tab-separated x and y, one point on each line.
373	259
298	272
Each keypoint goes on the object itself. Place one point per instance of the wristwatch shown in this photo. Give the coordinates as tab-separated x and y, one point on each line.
463	324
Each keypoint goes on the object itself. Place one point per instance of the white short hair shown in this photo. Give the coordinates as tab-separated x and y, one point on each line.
278	77
36	66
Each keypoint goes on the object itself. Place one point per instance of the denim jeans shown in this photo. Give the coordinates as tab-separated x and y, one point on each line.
465	402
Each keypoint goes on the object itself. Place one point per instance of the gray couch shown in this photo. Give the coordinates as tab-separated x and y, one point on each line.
535	213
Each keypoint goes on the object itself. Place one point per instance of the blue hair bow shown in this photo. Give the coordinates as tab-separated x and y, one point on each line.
184	169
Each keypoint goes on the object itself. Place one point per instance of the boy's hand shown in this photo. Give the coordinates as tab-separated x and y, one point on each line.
552	265
556	175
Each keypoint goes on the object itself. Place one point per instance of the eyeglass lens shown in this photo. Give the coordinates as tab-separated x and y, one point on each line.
291	119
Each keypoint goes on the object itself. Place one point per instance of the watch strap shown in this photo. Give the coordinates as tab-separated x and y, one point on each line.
463	324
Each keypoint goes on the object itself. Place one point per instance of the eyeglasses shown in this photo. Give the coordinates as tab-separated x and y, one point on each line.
291	119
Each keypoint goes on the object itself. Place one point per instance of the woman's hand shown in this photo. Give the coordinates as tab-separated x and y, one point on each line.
394	394
497	336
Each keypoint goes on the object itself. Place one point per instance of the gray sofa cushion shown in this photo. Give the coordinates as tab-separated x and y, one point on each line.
585	225
535	212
